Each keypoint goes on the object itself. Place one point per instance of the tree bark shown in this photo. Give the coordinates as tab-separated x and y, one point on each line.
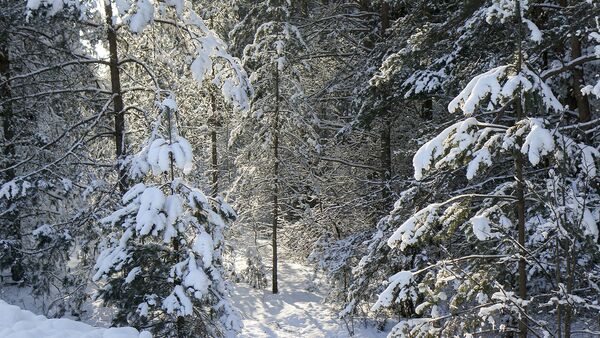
275	179
386	162
384	14
570	278
577	81
520	189
577	77
9	126
521	233
214	156
118	106
386	142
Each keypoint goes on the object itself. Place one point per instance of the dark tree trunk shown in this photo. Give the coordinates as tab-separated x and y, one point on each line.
520	189
275	179
384	14
118	106
577	76
386	162
9	126
386	142
214	155
427	109
577	81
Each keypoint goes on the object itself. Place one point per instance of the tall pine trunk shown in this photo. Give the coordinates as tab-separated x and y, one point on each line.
9	126
386	131
520	189
386	162
214	155
118	106
577	76
275	179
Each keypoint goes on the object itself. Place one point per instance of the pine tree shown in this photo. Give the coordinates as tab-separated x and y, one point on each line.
276	124
498	239
163	259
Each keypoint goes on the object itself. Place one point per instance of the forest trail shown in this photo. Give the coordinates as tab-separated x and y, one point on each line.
294	312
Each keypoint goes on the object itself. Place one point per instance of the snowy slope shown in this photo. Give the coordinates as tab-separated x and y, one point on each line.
294	312
17	323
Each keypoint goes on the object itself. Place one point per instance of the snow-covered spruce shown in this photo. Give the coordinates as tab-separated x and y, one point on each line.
161	264
276	139
468	288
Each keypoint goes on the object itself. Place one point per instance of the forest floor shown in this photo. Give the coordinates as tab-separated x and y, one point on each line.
296	311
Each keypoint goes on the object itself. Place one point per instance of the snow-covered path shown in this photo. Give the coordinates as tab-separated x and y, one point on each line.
294	312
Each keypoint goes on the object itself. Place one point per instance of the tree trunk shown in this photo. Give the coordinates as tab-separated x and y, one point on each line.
571	261
386	151
9	126
386	162
558	281
427	109
520	190
275	179
384	13
118	107
577	81
521	230
577	77
214	158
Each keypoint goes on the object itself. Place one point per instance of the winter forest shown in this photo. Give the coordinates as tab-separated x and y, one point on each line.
299	168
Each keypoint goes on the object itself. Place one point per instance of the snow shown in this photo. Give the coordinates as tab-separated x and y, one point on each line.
112	257
196	279
173	208
432	150
159	155
477	89
589	89
481	227
123	6
538	143
149	214
536	34
178	4
588	165
204	247
169	103
178	302
9	190
487	86
132	274
17	323
294	311
413	228
515	83
399	281
482	157
281	63
197	199
143	17
588	223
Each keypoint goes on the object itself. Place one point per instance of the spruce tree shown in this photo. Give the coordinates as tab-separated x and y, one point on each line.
162	260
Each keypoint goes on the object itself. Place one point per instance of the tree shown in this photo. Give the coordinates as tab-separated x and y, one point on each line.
276	122
162	262
53	124
488	225
63	168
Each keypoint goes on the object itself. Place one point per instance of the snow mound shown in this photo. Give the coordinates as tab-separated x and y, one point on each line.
18	323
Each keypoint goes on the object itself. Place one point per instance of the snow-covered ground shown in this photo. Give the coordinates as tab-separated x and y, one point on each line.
294	312
18	323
